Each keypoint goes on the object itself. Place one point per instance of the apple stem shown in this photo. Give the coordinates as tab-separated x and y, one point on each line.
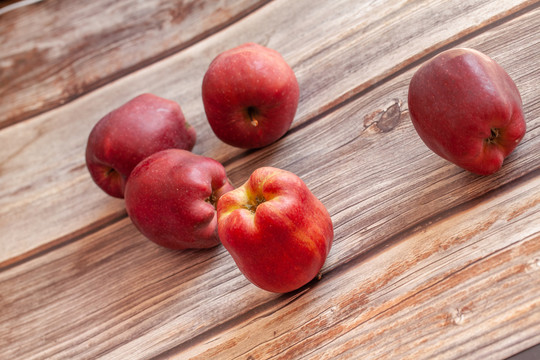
252	113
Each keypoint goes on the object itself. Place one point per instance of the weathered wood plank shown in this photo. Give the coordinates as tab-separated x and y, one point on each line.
475	270
54	142
119	292
54	51
123	295
369	167
465	286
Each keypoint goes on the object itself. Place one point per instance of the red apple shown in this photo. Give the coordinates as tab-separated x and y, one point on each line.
171	197
467	109
127	135
278	233
250	96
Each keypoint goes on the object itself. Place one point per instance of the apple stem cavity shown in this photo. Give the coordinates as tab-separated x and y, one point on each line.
493	136
259	199
112	174
252	114
212	199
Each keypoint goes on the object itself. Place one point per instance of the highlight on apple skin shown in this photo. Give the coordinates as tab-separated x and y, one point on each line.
125	136
467	109
278	233
171	197
250	96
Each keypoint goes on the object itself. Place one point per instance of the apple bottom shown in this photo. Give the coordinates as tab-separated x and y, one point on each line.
278	233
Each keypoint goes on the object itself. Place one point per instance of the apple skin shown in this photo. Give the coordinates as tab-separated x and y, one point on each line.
278	233
250	96
171	196
467	109
125	136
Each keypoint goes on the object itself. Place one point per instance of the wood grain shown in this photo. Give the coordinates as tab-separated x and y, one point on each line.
54	142
89	43
368	166
123	295
440	238
429	294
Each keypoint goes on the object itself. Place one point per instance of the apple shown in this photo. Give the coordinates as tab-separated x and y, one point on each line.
171	197
250	96
467	109
130	133
278	233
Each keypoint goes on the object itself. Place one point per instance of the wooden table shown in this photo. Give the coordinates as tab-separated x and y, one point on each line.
429	261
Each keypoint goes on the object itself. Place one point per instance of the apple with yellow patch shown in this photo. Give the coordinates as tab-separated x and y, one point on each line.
278	233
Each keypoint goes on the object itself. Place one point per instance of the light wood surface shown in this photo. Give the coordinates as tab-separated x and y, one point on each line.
56	51
429	261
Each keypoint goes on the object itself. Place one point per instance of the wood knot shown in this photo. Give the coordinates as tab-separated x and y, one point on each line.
533	265
384	120
459	316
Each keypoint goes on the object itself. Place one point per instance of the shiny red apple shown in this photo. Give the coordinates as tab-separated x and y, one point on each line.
130	133
467	109
171	197
250	96
278	233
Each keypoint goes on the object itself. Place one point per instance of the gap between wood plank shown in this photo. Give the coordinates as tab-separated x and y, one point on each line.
337	104
15	4
354	261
